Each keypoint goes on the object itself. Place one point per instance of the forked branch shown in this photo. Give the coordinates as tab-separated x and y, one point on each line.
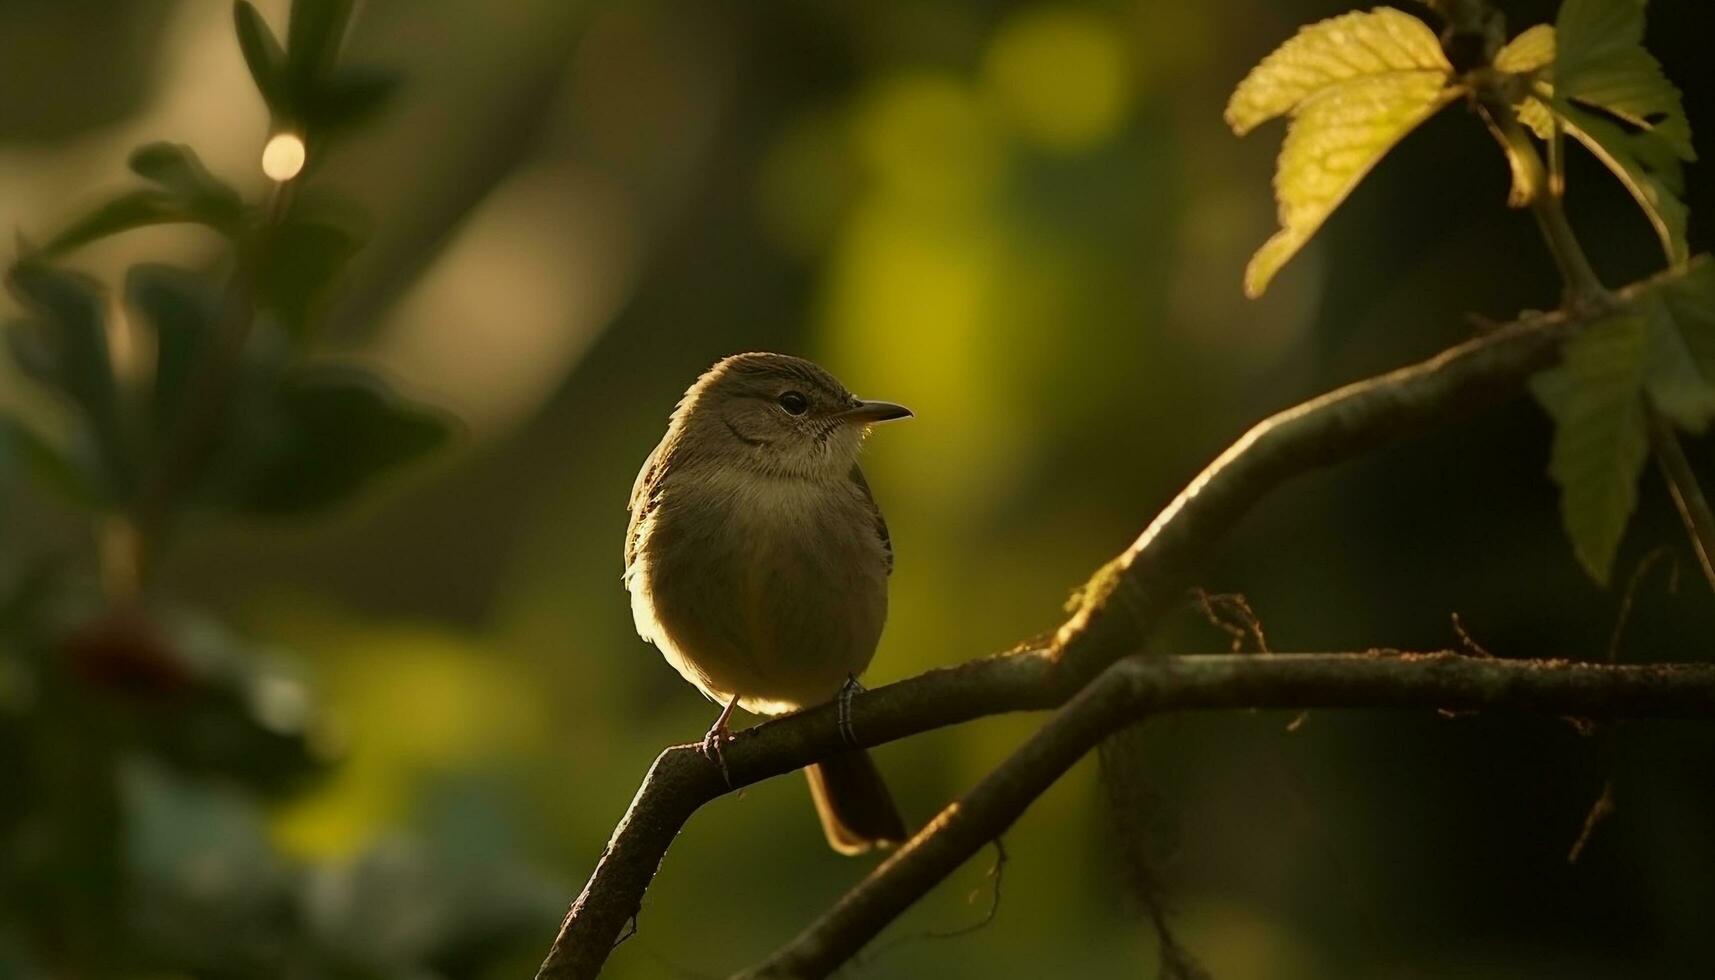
1116	612
1140	686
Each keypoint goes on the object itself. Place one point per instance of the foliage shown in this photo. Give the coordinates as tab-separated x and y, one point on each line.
1600	396
1356	84
140	739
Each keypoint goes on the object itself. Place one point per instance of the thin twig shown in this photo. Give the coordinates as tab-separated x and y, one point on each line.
1470	642
996	872
1248	624
1629	596
1599	811
1687	495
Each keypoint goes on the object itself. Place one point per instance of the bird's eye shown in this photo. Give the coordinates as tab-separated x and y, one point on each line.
794	403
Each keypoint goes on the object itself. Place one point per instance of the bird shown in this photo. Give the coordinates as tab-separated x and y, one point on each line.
757	561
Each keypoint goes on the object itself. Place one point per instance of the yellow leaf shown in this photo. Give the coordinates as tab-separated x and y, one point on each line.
1384	43
1335	139
1531	50
1532	53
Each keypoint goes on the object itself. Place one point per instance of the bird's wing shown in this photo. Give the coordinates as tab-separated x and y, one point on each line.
642	500
880	522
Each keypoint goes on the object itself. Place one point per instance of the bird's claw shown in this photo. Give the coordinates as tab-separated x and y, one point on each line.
843	709
718	735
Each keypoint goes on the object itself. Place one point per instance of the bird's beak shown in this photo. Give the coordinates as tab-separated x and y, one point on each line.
867	412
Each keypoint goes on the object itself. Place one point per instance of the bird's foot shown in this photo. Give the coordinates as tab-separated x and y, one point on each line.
718	735
843	708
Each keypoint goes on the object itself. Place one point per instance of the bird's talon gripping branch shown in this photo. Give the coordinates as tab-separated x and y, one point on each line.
718	735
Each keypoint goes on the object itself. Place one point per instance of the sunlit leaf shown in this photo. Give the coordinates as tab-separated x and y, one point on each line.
1531	50
1522	159
177	169
1333	141
1532	53
332	432
1384	43
1601	440
262	53
1601	62
1620	152
1355	85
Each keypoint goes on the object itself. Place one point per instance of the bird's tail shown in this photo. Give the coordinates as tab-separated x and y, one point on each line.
856	809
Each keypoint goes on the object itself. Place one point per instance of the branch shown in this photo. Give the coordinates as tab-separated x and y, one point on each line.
1115	613
1140	686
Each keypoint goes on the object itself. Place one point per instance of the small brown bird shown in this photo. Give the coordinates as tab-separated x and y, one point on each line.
757	560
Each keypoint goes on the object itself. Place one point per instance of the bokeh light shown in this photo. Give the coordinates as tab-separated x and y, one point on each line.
1060	76
283	156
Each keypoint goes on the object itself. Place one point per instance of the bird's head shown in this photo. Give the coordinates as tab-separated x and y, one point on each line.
778	415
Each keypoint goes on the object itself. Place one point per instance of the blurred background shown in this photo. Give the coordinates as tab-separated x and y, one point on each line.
1026	221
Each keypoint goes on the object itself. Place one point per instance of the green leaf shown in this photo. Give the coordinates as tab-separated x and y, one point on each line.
176	168
1648	177
1690	300
133	209
1674	378
1354	85
301	261
181	309
1383	43
1601	439
350	97
1601	62
332	432
68	321
1594	31
1659	351
263	54
313	39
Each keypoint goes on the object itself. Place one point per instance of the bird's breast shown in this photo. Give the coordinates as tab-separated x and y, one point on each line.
771	589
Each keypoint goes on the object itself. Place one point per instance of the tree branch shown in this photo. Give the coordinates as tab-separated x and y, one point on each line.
1115	613
1140	686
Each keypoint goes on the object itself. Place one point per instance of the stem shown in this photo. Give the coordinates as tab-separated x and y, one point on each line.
1687	495
1583	289
1539	187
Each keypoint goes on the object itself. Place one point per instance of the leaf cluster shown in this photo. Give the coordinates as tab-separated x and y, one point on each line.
140	741
1354	85
223	413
